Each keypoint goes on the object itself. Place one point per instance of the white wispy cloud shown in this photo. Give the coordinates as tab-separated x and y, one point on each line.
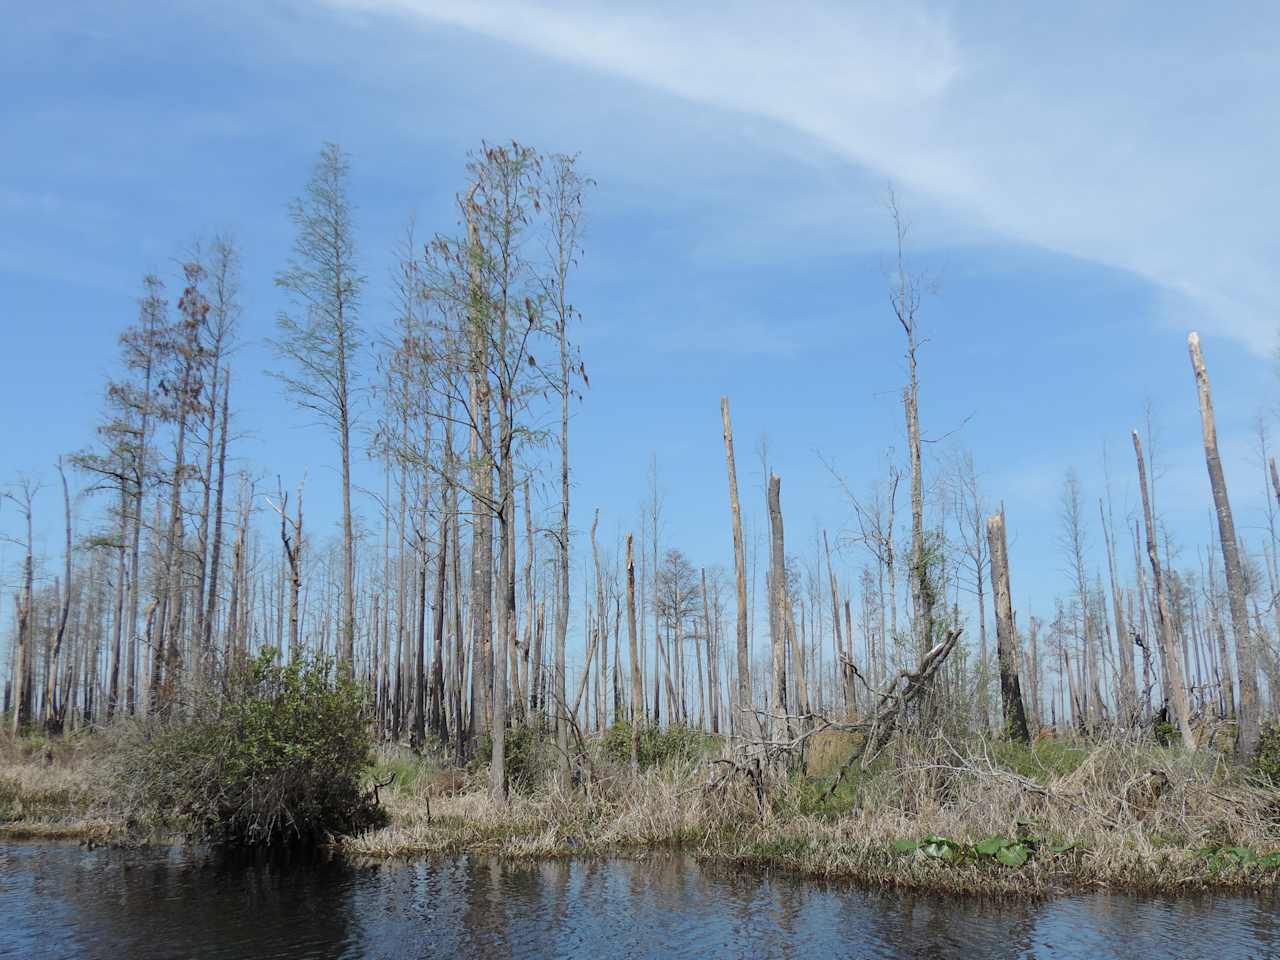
1142	140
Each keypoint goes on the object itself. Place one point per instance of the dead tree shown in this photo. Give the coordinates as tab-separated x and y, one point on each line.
891	706
1248	729
1180	704
55	709
291	541
22	672
906	291
739	564
777	604
1015	716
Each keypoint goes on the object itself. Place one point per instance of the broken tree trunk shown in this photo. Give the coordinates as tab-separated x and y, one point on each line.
1015	715
1248	730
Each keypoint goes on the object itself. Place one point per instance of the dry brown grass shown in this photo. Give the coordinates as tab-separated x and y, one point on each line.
1133	816
828	749
54	789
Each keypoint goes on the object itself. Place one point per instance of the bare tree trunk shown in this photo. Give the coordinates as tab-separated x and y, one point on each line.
459	652
600	613
292	544
798	662
417	735
439	725
1033	677
22	661
1168	644
168	652
713	660
562	556
1248	729
117	625
1015	717
524	688
1128	687
215	555
637	683
740	572
844	661
55	711
777	610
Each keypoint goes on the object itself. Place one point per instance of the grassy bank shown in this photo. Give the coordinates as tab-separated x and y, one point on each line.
996	820
57	789
993	819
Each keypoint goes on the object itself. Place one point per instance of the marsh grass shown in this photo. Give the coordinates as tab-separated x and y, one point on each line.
1140	817
52	788
1119	815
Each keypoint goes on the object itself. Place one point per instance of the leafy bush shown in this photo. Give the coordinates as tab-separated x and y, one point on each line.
530	755
1267	761
280	758
1165	733
658	748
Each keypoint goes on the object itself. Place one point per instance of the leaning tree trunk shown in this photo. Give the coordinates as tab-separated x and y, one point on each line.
1248	730
1015	716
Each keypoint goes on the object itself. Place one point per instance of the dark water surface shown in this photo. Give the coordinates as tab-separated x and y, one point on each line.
64	901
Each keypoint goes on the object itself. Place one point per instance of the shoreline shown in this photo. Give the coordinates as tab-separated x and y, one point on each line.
794	849
980	882
1083	825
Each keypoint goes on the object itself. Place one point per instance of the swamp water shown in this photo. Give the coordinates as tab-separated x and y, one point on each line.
60	900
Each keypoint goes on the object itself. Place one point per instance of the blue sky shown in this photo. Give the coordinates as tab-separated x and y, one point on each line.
1087	188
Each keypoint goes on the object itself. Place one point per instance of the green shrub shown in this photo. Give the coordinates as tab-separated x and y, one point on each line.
658	747
1266	762
280	758
530	755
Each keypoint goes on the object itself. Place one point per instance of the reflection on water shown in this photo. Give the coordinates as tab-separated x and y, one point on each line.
63	901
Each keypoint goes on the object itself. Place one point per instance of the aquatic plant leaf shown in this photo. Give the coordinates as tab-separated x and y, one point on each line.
991	845
1270	861
906	846
943	850
1013	856
1062	847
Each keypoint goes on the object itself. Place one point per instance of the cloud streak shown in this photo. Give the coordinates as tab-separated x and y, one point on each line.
1141	146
